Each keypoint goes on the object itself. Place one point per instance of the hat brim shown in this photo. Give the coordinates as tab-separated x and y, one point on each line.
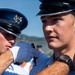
17	35
46	13
9	27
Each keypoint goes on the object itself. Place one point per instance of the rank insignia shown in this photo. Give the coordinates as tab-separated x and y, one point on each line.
17	19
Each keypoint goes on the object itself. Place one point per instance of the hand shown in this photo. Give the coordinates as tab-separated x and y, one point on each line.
23	52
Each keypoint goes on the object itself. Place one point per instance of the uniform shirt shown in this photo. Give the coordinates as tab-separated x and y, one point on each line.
44	64
14	69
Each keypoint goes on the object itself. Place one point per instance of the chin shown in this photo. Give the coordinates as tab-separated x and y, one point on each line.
53	46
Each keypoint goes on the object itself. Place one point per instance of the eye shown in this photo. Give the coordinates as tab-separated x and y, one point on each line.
56	20
7	34
44	21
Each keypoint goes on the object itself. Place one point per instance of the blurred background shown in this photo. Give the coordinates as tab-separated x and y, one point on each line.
33	33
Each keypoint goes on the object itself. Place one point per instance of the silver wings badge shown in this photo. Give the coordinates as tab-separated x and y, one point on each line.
17	19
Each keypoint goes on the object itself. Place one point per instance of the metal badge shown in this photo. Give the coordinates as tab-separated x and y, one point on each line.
18	19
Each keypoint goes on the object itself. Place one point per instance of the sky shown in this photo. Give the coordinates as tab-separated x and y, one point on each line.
29	8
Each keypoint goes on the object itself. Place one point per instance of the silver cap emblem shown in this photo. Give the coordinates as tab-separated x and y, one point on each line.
17	19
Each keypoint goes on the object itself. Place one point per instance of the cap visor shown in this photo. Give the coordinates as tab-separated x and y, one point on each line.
17	35
45	13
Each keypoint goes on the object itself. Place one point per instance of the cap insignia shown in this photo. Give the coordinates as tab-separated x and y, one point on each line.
17	19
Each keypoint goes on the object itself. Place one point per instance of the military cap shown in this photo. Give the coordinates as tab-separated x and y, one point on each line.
56	7
12	21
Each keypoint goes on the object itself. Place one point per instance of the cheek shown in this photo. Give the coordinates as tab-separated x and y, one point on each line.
2	46
65	28
43	28
3	41
66	34
2	38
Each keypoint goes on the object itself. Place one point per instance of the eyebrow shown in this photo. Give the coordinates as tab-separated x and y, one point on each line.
42	17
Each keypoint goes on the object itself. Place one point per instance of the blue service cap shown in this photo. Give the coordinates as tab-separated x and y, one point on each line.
12	21
56	7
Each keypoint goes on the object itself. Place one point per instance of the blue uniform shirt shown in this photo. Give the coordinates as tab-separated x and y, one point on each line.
44	64
15	69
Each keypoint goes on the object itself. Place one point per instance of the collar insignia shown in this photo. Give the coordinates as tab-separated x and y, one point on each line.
17	19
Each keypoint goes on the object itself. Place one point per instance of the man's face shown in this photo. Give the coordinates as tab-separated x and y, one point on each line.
59	30
6	41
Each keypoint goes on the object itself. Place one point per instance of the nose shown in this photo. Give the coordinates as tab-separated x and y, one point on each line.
12	40
48	28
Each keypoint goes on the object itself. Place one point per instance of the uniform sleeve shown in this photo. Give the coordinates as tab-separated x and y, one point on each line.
40	58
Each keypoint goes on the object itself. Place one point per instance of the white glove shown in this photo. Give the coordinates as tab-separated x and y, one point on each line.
23	52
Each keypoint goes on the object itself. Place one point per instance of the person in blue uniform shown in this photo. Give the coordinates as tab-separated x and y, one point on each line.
58	22
12	22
